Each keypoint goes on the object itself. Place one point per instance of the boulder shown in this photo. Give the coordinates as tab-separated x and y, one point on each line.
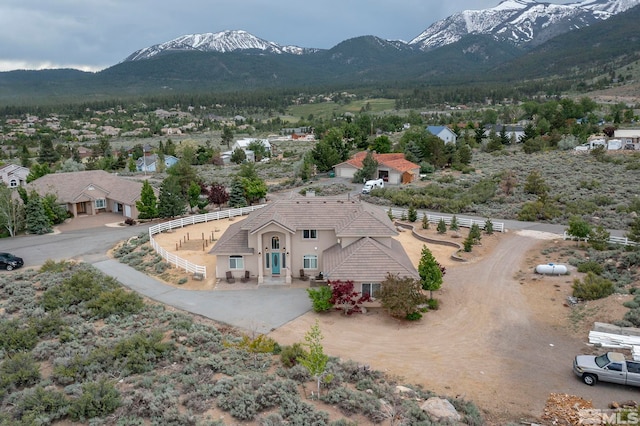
404	390
440	409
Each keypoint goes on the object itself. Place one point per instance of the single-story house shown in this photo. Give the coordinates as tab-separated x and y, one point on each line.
91	192
244	144
336	238
148	163
392	168
444	133
630	138
514	131
13	175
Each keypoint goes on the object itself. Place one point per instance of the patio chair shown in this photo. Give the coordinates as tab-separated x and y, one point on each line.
230	278
246	278
303	276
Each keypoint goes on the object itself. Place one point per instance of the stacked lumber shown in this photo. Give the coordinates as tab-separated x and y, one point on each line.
616	341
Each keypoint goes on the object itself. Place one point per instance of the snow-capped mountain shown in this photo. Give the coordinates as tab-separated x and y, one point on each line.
521	22
224	41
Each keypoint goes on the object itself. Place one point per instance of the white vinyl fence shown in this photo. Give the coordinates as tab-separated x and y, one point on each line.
462	222
612	240
192	220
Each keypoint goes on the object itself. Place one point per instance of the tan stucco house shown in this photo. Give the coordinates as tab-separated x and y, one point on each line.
393	168
91	192
338	238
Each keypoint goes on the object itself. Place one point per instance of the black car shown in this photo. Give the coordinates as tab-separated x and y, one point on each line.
10	262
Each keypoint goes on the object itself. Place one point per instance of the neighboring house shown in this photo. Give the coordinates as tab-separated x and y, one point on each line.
337	238
244	144
148	163
91	192
514	131
392	168
13	175
444	133
630	138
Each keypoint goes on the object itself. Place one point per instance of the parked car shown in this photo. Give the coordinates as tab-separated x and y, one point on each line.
610	367
10	262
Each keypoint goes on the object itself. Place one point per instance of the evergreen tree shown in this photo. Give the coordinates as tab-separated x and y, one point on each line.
368	171
238	156
227	136
465	154
171	201
425	221
475	234
236	194
412	214
442	227
454	224
37	221
488	226
147	205
430	272
194	195
47	154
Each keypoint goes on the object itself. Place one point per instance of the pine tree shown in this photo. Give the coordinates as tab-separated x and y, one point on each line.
430	272
171	202
425	221
147	205
412	214
454	224
442	227
37	221
236	194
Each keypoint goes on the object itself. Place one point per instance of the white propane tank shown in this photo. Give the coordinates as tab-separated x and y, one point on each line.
551	269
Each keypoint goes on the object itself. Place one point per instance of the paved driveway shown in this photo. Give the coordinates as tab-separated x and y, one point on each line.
262	309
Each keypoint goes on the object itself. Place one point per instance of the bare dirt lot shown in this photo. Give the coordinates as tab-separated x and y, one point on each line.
503	336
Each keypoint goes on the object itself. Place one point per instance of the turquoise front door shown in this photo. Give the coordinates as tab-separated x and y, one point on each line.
275	263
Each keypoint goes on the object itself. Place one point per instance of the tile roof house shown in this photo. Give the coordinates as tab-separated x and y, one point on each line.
91	192
444	133
13	175
393	168
337	238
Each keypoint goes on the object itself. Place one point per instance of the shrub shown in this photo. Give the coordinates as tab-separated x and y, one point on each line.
320	298
56	267
98	399
592	287
15	338
591	266
19	370
633	317
118	301
39	405
129	221
413	316
290	354
412	214
433	304
141	351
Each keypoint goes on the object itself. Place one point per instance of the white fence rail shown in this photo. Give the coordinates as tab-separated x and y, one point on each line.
192	220
462	222
612	240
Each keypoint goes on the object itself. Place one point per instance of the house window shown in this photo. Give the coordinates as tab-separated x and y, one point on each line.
267	257
101	203
275	243
372	289
310	261
13	183
236	262
309	234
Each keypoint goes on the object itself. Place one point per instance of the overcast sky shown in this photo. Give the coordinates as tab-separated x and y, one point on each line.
95	34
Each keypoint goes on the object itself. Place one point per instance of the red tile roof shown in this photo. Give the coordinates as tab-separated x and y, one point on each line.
394	161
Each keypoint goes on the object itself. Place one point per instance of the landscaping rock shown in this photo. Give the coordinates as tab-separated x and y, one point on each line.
440	409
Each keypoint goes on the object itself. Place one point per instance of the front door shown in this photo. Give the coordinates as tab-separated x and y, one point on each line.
275	263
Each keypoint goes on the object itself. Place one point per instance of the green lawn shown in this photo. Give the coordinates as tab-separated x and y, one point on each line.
329	109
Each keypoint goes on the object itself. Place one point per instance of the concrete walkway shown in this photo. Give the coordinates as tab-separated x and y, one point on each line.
261	310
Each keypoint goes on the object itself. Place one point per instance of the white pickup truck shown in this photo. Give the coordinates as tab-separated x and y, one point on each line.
610	367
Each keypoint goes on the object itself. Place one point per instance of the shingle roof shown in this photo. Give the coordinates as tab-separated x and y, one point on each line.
69	187
367	260
234	241
394	161
347	218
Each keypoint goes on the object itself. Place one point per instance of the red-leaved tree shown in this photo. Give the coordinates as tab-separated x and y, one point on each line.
218	194
344	297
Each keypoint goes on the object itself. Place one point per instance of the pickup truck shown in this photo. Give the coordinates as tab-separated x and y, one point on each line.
609	367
